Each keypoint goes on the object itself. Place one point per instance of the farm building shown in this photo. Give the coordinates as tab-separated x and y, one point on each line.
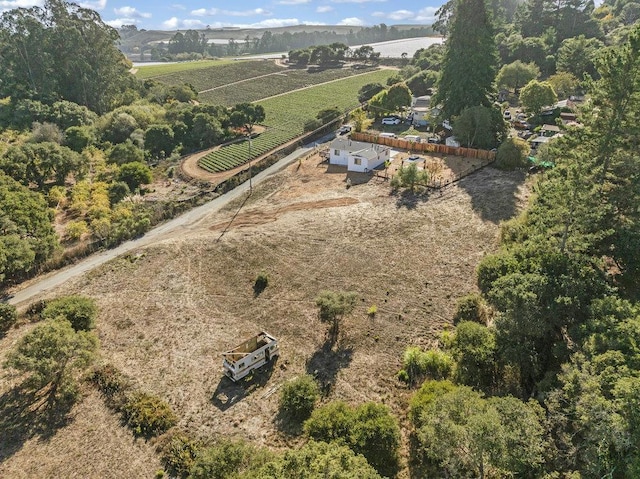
421	110
358	155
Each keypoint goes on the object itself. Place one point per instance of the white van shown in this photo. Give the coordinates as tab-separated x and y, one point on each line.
387	135
414	138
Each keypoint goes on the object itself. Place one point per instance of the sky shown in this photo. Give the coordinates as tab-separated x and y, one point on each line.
197	14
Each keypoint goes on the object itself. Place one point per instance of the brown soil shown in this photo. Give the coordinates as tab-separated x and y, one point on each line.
168	312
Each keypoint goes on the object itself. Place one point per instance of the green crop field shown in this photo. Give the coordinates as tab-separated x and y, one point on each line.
153	71
286	116
285	80
220	74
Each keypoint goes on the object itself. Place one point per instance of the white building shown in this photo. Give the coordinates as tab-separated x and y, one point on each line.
358	155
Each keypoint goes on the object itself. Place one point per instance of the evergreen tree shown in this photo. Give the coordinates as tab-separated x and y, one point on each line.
470	60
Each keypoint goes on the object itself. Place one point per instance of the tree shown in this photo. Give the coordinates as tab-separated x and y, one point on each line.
227	459
536	95
159	141
422	83
577	55
470	60
135	174
51	355
512	153
61	50
410	177
125	152
333	306
480	127
246	115
27	237
8	316
80	311
360	120
517	74
329	114
369	429
463	434
474	349
398	97
315	460
564	84
298	397
368	91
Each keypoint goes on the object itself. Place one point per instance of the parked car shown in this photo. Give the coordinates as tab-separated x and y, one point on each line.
521	116
521	125
344	130
507	115
414	158
391	121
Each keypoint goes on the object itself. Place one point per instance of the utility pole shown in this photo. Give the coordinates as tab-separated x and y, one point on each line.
250	185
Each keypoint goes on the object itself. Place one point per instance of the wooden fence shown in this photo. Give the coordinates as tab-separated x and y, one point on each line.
425	147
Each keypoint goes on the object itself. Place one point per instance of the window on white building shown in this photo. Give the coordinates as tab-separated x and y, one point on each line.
357	161
336	152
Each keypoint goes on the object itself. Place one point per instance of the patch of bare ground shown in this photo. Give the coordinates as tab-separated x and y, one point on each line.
169	311
91	444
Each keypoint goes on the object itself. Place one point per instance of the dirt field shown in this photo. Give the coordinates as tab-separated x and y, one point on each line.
168	311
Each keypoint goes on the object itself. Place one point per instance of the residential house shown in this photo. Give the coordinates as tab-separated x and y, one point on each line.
549	130
358	155
421	111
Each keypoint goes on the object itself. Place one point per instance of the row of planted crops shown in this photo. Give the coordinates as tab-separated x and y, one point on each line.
286	116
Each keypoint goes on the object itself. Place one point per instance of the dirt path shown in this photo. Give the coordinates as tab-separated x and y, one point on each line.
175	228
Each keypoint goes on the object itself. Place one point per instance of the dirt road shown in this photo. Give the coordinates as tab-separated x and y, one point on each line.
175	227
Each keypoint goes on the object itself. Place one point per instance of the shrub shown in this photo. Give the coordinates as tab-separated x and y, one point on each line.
424	396
298	397
148	415
179	453
474	349
75	230
112	384
8	317
371	312
512	154
80	311
227	459
369	429
261	283
471	308
419	364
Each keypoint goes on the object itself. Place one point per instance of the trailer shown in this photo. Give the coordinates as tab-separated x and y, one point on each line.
251	354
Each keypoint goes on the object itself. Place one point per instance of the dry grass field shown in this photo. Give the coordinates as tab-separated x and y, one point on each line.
168	311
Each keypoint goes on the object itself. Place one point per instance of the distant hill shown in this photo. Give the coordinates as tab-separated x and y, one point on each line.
143	39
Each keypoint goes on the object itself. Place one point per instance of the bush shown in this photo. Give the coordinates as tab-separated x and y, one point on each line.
419	364
371	312
471	308
112	384
148	415
474	349
8	317
370	430
512	154
227	459
179	453
261	283
298	397
75	230
80	311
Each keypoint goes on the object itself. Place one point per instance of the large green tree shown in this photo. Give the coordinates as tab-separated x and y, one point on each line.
27	238
51	355
516	74
62	51
470	60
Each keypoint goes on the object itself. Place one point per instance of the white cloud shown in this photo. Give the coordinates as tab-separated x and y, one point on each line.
174	23
178	6
293	2
118	22
131	12
397	15
358	1
94	4
324	9
355	21
202	12
11	4
427	14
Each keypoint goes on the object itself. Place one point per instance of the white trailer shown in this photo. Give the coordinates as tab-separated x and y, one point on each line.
250	355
